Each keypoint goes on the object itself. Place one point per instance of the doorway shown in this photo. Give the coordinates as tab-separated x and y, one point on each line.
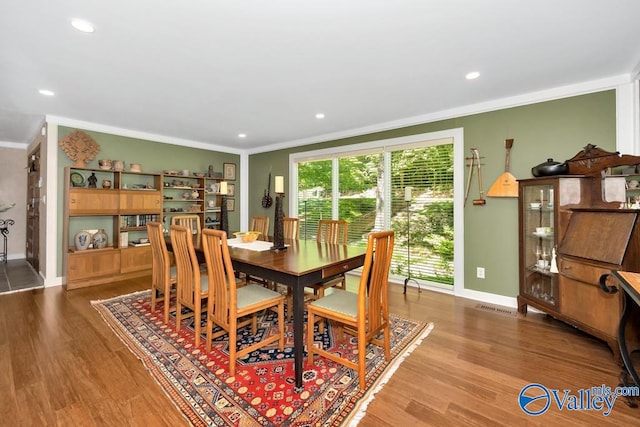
32	249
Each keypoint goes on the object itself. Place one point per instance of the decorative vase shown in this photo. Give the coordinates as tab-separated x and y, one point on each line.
118	165
82	240
100	239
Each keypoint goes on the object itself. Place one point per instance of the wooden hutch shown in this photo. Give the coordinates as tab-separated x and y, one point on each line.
575	229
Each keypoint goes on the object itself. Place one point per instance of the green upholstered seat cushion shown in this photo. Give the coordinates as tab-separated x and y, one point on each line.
253	294
340	301
204	283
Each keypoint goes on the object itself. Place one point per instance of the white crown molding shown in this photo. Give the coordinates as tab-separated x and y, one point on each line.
97	127
482	107
494	105
17	145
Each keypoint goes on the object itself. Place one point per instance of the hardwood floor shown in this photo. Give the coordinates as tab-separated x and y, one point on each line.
62	365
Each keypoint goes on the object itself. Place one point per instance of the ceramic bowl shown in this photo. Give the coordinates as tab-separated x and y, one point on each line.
105	164
535	205
199	174
247	236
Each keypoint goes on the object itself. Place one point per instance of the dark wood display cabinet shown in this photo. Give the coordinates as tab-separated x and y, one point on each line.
584	218
557	215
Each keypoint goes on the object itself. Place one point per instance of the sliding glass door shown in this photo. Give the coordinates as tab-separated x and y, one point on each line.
368	189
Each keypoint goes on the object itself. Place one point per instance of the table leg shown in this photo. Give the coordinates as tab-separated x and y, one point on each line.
298	332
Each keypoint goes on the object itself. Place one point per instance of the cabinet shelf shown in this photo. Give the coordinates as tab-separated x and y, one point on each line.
536	269
133	228
72	249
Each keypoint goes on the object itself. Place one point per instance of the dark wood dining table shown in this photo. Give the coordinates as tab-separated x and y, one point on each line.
302	263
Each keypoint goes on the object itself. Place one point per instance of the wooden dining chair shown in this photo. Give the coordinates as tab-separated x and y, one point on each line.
365	314
163	274
331	231
291	228
192	222
228	304
260	223
192	285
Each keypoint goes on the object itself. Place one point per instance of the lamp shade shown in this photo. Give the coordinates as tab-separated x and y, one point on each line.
407	194
279	184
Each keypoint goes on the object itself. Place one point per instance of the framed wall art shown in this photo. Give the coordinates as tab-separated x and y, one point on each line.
231	205
229	171
231	190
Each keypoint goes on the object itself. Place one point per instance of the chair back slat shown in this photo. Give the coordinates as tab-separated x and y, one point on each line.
373	289
291	227
332	231
160	262
260	223
222	283
192	222
187	268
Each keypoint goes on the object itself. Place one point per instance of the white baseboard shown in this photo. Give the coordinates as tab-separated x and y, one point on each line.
56	281
489	298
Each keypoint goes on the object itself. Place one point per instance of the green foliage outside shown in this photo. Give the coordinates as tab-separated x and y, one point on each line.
429	170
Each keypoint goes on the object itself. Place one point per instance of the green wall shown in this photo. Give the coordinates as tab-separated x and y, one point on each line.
154	157
554	129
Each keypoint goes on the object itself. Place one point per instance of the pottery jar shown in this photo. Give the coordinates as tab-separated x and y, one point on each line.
100	239
82	240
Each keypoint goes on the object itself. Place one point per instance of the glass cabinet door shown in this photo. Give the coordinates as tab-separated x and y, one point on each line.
538	240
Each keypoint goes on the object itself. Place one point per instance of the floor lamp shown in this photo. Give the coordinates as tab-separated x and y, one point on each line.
407	200
304	200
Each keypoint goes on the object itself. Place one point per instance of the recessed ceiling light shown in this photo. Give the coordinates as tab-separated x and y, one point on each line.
242	135
320	116
84	26
472	75
46	92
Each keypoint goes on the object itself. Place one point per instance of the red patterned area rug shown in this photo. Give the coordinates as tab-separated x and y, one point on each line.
262	393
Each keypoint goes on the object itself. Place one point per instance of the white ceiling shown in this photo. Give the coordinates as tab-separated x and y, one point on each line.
206	70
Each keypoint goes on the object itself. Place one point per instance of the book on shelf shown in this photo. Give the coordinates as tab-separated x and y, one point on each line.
137	243
131	221
124	239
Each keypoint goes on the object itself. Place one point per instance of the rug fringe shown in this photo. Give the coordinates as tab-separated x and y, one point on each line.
100	301
382	381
